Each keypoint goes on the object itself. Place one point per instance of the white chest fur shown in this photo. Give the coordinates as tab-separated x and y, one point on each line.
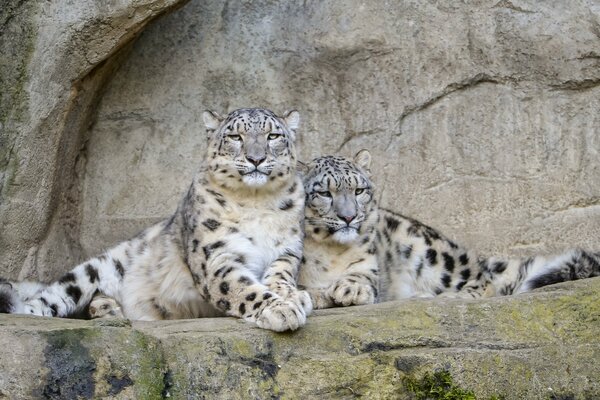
263	236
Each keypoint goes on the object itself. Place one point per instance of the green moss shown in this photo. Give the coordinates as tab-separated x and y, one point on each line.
436	386
242	347
439	386
559	318
149	375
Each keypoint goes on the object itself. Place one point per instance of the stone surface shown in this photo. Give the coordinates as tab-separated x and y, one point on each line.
57	57
533	346
483	119
482	116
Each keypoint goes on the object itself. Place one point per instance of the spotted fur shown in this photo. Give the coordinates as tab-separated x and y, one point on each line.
358	253
233	246
14	295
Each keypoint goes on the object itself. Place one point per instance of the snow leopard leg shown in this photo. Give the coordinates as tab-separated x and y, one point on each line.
319	297
231	287
72	292
281	278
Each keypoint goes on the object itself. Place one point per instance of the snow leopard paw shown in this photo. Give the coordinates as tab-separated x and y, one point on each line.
281	315
346	292
103	306
290	293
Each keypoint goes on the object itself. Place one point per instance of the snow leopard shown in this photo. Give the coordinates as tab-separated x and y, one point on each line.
358	253
232	247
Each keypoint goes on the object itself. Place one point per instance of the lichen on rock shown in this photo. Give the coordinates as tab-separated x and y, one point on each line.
378	351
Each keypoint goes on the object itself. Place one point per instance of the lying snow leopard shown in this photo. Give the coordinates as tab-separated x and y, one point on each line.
233	246
357	253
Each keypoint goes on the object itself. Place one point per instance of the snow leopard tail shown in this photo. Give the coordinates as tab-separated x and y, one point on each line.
524	275
13	295
10	302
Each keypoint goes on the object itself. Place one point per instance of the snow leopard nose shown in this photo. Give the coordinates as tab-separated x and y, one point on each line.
347	218
255	160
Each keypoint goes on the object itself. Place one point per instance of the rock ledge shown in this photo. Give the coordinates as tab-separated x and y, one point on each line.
539	345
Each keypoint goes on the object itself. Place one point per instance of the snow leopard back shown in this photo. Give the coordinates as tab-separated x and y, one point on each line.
418	261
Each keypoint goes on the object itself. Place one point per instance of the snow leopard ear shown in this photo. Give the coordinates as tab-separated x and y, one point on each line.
363	160
292	120
212	120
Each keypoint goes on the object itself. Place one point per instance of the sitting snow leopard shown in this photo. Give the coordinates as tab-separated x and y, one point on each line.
232	247
357	253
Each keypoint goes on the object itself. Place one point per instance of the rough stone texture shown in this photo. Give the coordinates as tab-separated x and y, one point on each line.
56	58
483	119
483	116
531	346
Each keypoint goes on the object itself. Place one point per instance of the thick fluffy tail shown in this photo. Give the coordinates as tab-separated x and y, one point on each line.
518	276
10	302
13	295
574	265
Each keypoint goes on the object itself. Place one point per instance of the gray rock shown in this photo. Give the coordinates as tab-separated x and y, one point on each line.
533	346
483	117
59	56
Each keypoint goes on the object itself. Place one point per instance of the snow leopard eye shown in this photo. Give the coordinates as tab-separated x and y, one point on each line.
324	193
273	136
235	138
359	191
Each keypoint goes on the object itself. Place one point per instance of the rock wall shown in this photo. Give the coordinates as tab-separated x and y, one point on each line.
56	59
482	116
535	346
483	119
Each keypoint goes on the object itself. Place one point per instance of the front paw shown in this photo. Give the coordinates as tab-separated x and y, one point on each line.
320	299
281	315
290	293
347	293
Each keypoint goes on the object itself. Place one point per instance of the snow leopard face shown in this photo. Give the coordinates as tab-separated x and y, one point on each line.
339	198
251	147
